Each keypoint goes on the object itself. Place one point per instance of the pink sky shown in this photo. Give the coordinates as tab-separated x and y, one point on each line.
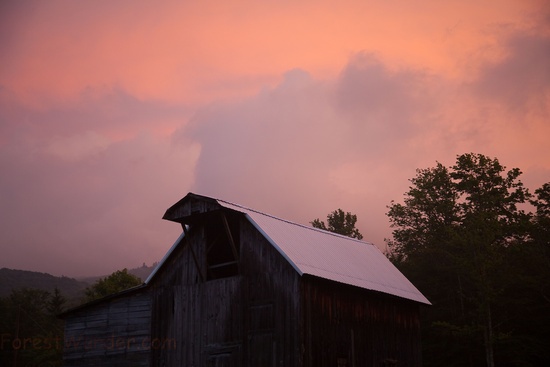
111	111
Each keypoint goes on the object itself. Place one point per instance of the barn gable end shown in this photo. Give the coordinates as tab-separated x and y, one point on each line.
237	308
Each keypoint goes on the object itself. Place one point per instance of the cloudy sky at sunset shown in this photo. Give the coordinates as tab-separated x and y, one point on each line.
111	111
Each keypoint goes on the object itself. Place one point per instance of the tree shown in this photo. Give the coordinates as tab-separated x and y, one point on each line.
116	282
339	222
32	335
525	303
56	303
429	214
451	237
542	216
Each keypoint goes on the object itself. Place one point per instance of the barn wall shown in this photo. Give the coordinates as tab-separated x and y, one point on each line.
203	320
176	307
273	311
115	332
249	319
348	326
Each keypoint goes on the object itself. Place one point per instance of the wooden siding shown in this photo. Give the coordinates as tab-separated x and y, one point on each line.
273	308
250	319
115	332
349	326
191	205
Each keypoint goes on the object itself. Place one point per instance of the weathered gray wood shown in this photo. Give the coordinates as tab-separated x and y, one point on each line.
195	258
110	333
383	327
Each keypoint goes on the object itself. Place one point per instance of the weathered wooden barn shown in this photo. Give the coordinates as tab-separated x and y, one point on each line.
243	288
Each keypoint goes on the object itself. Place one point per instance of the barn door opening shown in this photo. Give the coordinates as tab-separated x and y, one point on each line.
222	253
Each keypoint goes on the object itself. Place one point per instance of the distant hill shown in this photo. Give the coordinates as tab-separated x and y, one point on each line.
16	279
72	289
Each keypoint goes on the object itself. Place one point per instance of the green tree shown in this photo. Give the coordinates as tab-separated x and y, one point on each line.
116	282
451	237
341	223
56	303
31	334
530	284
542	216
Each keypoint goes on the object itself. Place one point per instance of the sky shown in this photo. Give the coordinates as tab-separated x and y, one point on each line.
112	111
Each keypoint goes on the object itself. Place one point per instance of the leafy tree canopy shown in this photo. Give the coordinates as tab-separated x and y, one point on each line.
474	198
341	223
463	238
116	282
542	201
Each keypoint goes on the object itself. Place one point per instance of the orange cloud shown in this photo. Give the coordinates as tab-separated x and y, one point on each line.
186	51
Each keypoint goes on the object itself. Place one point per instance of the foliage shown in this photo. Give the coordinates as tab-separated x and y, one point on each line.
542	216
31	333
114	283
341	223
462	239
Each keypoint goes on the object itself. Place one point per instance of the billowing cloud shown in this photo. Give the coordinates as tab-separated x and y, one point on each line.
318	142
521	80
109	113
280	139
355	140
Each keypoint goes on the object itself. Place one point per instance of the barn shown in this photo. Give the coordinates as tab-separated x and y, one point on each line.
244	288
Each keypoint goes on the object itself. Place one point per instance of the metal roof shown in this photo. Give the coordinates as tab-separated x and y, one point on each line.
331	256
